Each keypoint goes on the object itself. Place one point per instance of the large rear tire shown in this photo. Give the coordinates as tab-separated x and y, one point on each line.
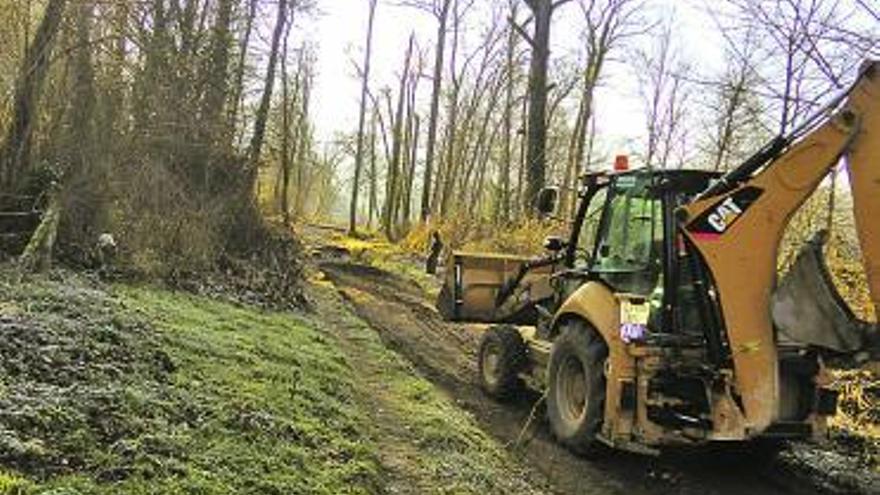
502	357
576	387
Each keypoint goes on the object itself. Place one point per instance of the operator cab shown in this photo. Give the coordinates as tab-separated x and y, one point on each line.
626	236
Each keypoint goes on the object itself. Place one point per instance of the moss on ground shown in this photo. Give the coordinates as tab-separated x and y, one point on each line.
145	391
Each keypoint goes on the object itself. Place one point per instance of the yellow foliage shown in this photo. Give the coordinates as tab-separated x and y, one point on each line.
363	248
418	239
525	237
859	409
842	253
14	485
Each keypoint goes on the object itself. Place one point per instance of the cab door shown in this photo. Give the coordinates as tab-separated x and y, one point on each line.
629	243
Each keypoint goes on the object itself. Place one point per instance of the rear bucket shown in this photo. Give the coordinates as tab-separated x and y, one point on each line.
473	281
808	309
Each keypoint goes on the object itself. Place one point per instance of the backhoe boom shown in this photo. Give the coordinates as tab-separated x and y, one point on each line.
740	245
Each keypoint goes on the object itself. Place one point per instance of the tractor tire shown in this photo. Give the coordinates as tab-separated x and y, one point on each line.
576	387
502	357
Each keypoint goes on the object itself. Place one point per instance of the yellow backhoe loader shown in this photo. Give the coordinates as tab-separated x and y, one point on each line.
661	321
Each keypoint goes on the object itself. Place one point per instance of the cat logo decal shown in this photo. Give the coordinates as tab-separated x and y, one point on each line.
719	219
725	214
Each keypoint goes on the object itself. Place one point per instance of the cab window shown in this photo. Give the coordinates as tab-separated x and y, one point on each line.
589	231
631	236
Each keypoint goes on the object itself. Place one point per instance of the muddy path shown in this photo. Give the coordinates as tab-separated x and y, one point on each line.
445	353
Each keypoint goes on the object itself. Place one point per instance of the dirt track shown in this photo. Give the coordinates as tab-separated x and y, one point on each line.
397	308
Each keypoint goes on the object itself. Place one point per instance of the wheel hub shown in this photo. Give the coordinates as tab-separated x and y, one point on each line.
572	389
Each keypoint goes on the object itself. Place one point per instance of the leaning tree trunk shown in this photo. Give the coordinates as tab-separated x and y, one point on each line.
15	150
262	114
37	256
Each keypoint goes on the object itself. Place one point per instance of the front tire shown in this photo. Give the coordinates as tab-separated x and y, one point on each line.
502	357
576	387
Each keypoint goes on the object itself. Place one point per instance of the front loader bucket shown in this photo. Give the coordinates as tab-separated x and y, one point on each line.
808	309
473	281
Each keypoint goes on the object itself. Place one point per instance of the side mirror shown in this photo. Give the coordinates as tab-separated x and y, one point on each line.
554	243
546	200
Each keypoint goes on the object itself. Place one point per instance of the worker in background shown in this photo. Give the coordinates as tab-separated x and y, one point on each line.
434	254
106	253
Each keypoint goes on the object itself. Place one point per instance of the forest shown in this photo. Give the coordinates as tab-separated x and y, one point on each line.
178	126
172	168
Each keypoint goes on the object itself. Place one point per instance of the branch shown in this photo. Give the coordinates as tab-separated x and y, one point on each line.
873	13
557	4
522	32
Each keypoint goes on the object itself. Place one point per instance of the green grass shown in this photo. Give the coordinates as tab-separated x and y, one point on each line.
449	452
237	401
285	419
137	390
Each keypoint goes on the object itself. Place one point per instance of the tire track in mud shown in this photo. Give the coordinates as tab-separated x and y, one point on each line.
445	353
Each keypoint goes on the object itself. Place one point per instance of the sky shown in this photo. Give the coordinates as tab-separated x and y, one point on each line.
340	34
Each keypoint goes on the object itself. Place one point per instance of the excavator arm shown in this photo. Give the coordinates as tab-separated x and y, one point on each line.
737	227
864	162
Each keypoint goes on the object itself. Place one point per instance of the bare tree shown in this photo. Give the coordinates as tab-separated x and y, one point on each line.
262	114
411	141
803	50
15	149
503	201
607	24
444	184
806	47
238	88
542	13
374	120
288	104
734	127
467	128
394	167
359	153
664	90
440	9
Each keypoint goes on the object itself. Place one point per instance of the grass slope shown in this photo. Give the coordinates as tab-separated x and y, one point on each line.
137	390
146	391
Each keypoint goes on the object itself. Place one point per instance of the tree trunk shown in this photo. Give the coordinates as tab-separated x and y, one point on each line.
359	153
262	114
218	73
15	151
304	143
238	88
84	99
37	256
414	147
536	159
394	167
451	162
285	137
503	204
373	199
523	154
442	19
579	130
